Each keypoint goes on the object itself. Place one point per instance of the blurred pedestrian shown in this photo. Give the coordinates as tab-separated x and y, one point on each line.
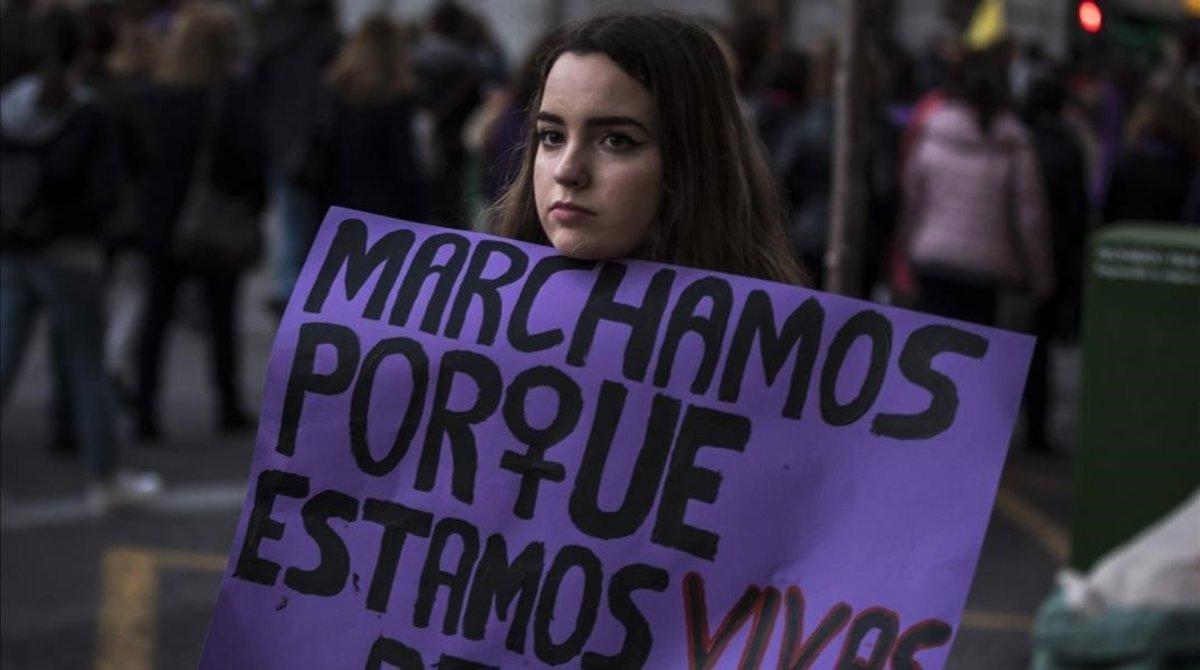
794	115
756	42
1191	207
1064	179
974	215
298	41
1102	89
18	50
931	74
641	150
194	91
781	99
449	81
362	152
476	33
1189	51
60	161
507	125
1063	167
888	88
128	69
1154	173
1028	62
930	77
111	68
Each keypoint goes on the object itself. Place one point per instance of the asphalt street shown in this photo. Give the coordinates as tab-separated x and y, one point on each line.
135	592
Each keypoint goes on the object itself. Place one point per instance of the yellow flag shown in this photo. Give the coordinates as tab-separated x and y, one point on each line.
987	25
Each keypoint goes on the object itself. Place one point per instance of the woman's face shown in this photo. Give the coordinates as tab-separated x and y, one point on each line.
598	173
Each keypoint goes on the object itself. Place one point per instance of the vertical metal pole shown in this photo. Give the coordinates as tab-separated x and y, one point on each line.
843	257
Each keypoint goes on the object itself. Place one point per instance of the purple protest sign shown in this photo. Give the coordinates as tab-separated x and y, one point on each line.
474	453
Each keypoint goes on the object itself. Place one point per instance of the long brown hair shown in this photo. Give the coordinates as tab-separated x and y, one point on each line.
1168	115
136	48
721	209
372	68
201	48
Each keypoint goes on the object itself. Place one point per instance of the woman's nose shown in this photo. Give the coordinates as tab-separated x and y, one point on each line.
572	168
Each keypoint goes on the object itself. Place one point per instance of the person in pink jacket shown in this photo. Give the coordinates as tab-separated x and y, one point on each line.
975	219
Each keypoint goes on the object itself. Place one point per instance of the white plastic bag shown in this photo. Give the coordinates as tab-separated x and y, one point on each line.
1160	567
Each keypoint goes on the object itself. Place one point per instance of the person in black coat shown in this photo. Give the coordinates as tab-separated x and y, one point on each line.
193	82
1064	179
1154	172
59	160
298	40
449	77
363	153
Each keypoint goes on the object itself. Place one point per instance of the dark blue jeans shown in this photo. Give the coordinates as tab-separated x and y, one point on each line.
220	293
299	219
31	283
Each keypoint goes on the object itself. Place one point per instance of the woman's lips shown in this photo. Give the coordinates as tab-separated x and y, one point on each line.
566	212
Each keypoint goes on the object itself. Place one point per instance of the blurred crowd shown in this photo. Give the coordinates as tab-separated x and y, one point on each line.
987	165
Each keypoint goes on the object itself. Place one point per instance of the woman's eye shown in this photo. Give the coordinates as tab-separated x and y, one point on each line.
618	141
548	137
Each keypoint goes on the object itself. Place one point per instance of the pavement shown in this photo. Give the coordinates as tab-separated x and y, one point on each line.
135	591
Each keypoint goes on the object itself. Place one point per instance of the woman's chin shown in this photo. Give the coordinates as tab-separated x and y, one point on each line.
572	246
589	244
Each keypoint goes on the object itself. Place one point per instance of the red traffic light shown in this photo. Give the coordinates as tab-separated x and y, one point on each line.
1091	18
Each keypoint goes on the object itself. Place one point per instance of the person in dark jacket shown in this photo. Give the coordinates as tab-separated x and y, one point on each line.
364	152
1154	172
18	53
505	131
1191	208
1064	177
796	124
126	74
193	81
298	42
449	81
116	53
60	164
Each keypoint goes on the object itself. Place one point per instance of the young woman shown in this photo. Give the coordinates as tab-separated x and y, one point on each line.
1158	166
197	61
363	142
640	150
974	219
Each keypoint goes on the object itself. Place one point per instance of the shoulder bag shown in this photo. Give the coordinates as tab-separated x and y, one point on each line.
218	232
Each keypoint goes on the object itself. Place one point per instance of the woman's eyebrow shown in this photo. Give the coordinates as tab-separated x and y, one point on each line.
617	121
596	121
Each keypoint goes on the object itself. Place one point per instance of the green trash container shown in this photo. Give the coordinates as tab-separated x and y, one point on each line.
1139	442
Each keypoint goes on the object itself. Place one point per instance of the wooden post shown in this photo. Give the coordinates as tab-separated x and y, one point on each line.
843	256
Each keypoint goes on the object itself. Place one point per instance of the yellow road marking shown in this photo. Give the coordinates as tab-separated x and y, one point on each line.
1004	622
129	602
1046	531
190	560
1039	481
129	594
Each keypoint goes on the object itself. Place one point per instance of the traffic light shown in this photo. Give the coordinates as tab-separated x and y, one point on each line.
1091	18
